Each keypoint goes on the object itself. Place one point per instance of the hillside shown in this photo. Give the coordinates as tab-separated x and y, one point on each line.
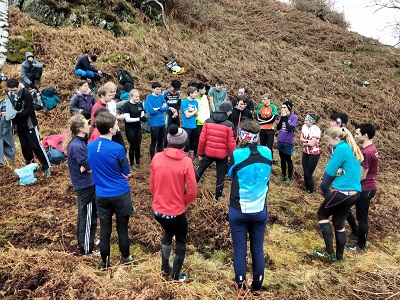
266	45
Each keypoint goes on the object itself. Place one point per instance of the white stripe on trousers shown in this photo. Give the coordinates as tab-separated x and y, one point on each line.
86	245
41	145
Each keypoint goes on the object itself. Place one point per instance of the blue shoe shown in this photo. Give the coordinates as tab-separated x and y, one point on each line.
47	172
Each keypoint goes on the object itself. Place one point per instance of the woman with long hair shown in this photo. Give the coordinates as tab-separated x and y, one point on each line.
250	173
81	177
343	172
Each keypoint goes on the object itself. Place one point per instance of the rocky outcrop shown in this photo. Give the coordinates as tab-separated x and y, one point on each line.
3	31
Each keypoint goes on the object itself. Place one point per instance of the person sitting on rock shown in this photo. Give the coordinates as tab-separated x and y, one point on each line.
31	71
83	100
85	69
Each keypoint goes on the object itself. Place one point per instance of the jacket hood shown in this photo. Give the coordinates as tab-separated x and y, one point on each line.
28	54
174	153
219	117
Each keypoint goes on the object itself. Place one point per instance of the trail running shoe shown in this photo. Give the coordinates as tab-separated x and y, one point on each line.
166	275
183	277
288	180
256	293
354	247
283	178
128	260
47	171
103	266
322	254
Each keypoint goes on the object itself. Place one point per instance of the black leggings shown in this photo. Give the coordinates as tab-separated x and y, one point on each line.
134	137
178	227
221	171
192	140
105	234
157	134
286	159
309	164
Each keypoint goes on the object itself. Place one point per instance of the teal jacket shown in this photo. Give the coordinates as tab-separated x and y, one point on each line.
344	158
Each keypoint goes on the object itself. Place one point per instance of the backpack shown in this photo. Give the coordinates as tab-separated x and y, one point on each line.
55	156
126	80
50	98
37	100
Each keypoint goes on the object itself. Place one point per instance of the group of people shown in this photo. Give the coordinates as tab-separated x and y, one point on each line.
236	135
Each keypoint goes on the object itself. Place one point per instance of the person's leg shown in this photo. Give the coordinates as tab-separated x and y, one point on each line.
290	165
187	145
256	233
27	152
312	165
105	233
203	165
338	219
304	163
9	149
353	223
154	132
168	122
283	164
221	172
161	135
270	135
238	226
180	228
362	207
130	136
176	120
85	217
194	140
123	238
166	242
137	143
263	137
37	147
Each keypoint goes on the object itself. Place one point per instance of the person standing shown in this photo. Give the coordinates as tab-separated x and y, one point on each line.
286	125
365	132
343	172
310	136
173	185
243	93
216	95
81	177
267	114
134	114
173	98
111	171
239	113
250	173
216	143
204	107
190	109
7	145
26	122
156	106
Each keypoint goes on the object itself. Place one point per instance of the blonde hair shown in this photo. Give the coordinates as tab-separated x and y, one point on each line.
133	91
345	135
76	122
110	86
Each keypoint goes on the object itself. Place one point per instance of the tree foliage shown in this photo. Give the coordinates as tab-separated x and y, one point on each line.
395	24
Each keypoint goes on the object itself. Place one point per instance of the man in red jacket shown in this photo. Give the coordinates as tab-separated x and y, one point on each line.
216	144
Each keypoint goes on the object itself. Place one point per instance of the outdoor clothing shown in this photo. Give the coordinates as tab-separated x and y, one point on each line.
84	102
95	108
204	109
108	162
310	133
238	116
286	125
7	146
157	136
154	108
249	106
370	162
311	155
133	114
218	97
189	105
31	71
216	138
170	171
266	116
87	219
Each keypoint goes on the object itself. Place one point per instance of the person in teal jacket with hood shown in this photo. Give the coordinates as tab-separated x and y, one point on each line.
343	172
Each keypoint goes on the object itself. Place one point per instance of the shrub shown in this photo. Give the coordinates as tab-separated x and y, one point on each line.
323	9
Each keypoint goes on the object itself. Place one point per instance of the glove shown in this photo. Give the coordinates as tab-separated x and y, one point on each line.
143	119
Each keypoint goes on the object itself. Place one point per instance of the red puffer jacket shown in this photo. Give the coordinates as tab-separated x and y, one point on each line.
216	138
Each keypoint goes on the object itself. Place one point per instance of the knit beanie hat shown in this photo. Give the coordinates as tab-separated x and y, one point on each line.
176	137
288	104
225	106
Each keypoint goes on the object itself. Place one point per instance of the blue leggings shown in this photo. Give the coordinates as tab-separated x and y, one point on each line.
254	223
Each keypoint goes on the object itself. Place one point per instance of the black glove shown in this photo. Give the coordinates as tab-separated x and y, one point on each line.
143	119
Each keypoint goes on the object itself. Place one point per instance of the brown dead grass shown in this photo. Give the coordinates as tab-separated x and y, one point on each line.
269	47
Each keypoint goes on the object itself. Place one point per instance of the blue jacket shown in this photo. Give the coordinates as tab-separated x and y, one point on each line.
77	157
108	162
350	178
155	109
250	173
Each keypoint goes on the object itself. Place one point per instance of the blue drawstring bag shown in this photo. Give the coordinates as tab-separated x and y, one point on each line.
26	174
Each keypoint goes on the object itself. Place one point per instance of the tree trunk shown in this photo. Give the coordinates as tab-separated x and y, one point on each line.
3	31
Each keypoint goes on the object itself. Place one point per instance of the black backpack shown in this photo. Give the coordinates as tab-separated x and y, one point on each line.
126	79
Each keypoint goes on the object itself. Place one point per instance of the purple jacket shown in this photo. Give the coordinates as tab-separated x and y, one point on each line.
286	126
